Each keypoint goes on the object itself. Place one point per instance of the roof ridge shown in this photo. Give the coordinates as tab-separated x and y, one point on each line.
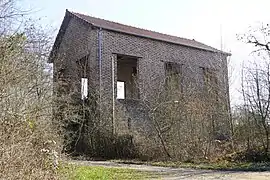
75	13
146	33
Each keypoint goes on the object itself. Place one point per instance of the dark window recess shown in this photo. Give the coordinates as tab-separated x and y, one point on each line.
210	82
134	71
82	70
82	66
127	79
174	76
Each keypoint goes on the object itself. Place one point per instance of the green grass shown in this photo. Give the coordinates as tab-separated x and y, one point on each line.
73	172
76	172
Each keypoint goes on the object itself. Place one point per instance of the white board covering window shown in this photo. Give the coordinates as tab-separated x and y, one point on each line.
84	88
120	90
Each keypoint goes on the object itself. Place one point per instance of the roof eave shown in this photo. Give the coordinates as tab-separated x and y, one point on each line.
59	37
143	36
149	37
69	15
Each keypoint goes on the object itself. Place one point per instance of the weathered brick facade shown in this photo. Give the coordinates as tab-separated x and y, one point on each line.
78	38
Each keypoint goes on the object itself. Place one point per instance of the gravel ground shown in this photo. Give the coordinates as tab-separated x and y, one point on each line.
183	173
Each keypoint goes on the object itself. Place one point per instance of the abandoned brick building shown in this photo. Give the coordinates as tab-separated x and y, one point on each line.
124	65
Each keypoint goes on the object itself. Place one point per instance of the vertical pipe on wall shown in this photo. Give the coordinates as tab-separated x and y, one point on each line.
113	96
100	63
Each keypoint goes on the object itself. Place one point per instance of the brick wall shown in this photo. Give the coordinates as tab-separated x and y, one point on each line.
152	55
81	39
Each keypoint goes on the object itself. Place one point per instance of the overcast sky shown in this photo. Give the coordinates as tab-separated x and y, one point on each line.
203	20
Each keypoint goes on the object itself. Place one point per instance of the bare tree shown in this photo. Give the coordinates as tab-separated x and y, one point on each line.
256	91
29	147
185	120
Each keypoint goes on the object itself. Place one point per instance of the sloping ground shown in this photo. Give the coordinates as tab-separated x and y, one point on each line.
182	173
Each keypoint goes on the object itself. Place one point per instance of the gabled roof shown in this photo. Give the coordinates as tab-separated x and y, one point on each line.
113	26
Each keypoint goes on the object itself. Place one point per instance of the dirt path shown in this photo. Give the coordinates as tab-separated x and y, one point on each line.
183	173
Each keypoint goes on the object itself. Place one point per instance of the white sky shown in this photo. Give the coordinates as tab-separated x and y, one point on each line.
202	20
